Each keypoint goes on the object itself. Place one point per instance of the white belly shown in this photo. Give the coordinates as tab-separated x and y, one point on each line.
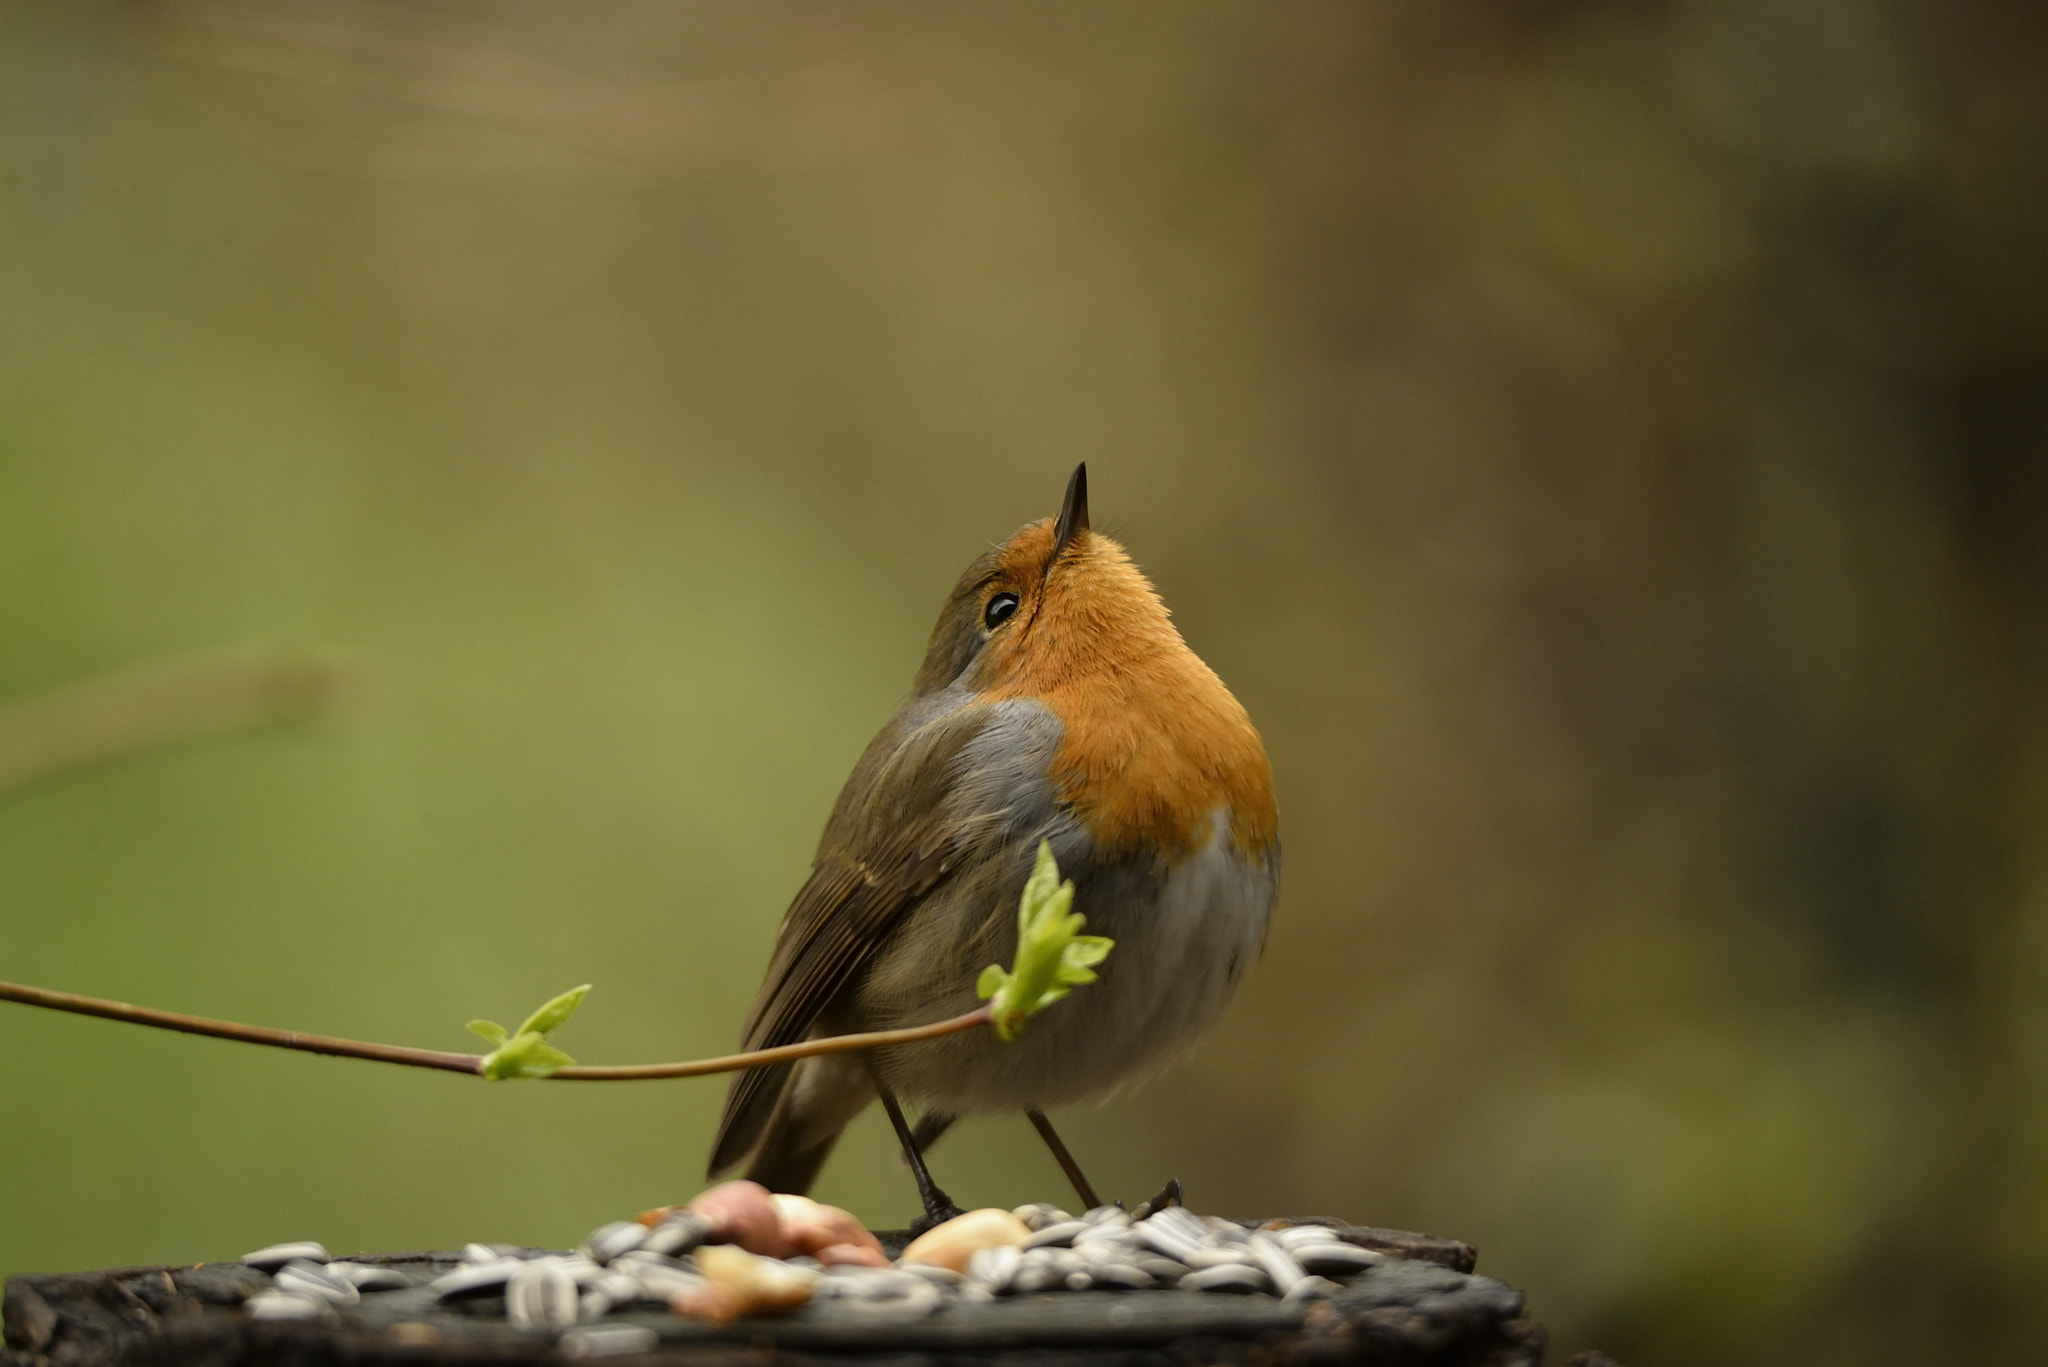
1180	949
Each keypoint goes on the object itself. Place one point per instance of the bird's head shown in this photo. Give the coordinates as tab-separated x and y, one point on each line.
1055	602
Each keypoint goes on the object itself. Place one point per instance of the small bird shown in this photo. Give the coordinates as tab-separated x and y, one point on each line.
1056	703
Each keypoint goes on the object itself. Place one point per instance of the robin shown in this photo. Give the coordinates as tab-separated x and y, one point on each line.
1056	703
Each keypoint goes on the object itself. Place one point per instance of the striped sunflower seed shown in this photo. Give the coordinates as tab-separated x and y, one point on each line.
542	1295
1292	1235
286	1305
894	1300
1056	1236
313	1279
1164	1238
1241	1278
1040	1214
1167	1270
1123	1277
608	1340
677	1235
1277	1263
473	1279
1311	1289
369	1277
277	1255
994	1268
607	1242
1035	1280
1181	1221
1334	1259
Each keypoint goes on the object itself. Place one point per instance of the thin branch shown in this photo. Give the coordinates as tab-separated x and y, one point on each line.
247	1034
471	1063
99	720
788	1053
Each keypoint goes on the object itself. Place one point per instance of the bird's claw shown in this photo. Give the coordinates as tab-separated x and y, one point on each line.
938	1208
1169	1195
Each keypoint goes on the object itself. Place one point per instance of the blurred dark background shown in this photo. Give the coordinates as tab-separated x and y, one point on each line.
1604	445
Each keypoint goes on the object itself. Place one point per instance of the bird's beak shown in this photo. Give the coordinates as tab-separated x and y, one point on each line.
1073	514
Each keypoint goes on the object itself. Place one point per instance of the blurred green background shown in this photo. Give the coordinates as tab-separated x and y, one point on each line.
1603	445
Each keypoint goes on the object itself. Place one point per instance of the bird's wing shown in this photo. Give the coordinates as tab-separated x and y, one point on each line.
893	837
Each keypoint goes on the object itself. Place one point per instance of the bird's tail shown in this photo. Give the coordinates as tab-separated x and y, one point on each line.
817	1099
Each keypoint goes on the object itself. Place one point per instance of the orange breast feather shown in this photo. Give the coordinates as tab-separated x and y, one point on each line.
1155	744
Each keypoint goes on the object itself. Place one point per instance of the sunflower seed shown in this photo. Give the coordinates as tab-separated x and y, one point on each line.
866	1283
609	1340
1311	1289
1038	1216
1203	1258
995	1267
1065	1261
1277	1262
1336	1259
607	1242
366	1277
617	1287
1107	1215
1123	1277
482	1255
678	1234
312	1279
1109	1231
1031	1281
1161	1237
1165	1270
1079	1281
541	1295
937	1276
1235	1277
894	1300
286	1305
659	1283
277	1255
1100	1252
1053	1236
473	1279
1181	1221
580	1269
1291	1235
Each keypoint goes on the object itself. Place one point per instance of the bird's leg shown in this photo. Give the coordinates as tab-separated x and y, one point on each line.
1089	1200
938	1207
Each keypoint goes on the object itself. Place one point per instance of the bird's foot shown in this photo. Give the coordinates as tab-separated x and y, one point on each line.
938	1208
1169	1195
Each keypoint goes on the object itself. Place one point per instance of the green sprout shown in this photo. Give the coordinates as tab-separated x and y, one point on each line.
1053	957
526	1052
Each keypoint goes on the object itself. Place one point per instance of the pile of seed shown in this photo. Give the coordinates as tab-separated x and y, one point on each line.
626	1265
1108	1250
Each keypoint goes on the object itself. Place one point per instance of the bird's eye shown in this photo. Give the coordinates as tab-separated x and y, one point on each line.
999	609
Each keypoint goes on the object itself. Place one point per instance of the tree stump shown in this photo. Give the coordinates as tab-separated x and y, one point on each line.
1421	1305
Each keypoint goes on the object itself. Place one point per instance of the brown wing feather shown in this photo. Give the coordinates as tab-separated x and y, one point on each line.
890	841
